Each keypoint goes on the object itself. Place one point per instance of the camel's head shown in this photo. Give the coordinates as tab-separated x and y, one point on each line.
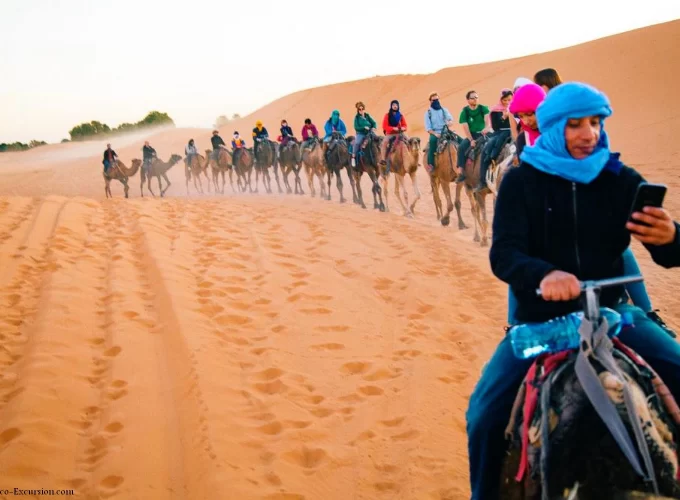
414	143
208	152
175	158
136	163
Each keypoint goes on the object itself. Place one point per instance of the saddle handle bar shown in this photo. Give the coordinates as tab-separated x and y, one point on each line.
604	283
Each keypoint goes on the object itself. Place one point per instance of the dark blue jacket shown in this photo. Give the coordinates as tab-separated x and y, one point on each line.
543	222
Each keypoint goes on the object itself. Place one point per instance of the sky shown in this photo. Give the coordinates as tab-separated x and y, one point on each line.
71	61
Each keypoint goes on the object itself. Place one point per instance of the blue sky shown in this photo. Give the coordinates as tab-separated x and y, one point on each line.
72	61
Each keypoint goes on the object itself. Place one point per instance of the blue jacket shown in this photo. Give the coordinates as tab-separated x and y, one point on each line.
328	127
435	119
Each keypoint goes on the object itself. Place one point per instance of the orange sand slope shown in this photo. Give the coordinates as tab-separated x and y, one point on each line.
272	347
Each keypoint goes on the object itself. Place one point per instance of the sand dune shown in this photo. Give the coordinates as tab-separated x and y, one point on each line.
272	347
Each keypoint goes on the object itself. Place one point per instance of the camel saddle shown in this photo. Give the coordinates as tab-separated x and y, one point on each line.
479	146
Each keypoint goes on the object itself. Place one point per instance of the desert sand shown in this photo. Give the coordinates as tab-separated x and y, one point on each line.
273	346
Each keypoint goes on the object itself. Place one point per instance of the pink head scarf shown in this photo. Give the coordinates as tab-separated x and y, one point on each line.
526	100
499	105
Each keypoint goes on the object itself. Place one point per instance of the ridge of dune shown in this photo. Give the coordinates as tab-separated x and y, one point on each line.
272	347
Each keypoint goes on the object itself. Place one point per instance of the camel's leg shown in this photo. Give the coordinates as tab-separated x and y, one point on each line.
399	191
106	187
355	197
377	191
165	176
385	188
267	175
148	186
125	187
141	183
434	185
446	218
329	183
284	173
416	191
473	208
276	176
310	181
197	178
322	184
461	223
360	194
338	176
207	180
298	180
187	177
480	198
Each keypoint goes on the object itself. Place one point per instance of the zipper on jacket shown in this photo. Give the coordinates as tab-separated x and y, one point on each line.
578	258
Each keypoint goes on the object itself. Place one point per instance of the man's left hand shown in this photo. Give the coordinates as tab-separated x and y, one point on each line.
660	229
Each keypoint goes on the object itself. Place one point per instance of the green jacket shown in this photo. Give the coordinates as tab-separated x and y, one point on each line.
361	122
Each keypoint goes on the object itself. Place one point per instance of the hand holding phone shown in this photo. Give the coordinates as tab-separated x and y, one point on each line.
648	221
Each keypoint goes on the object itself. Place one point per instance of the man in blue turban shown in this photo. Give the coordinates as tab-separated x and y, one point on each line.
560	218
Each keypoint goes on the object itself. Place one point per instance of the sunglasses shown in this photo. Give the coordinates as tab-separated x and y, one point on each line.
473	97
361	109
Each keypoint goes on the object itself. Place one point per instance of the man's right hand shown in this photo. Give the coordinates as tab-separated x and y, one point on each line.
560	286
472	143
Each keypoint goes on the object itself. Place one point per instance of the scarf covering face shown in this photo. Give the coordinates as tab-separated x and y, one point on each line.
394	117
436	105
335	117
550	154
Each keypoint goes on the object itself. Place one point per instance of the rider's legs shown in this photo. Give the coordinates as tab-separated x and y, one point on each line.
386	147
636	291
492	399
431	149
512	307
107	164
487	416
463	149
356	145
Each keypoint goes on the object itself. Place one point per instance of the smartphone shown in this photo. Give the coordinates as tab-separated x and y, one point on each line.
647	195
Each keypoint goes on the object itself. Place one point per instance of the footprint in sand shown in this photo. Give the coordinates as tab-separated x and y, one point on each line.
114	427
332	346
356	367
381	284
274	387
371	390
308	458
316	310
112	352
444	356
381	374
9	435
405	436
393	422
269	374
332	328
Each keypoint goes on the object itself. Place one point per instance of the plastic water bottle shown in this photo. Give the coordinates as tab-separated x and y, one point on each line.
559	334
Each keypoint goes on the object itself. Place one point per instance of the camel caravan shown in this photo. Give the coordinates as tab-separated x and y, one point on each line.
476	161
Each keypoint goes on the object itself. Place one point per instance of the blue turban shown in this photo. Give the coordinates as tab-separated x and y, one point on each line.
549	154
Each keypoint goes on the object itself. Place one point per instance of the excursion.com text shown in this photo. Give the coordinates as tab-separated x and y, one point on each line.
18	492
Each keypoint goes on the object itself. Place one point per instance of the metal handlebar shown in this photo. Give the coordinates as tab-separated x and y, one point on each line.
590	293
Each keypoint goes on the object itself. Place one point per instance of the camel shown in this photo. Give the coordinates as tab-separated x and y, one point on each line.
265	157
121	173
290	159
337	157
499	168
443	174
244	168
312	159
199	165
223	164
472	174
403	159
158	169
368	160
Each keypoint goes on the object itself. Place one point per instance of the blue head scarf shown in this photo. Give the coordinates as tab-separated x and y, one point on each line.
394	117
549	154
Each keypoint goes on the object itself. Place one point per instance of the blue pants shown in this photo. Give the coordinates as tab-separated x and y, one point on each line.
492	399
636	291
463	149
357	142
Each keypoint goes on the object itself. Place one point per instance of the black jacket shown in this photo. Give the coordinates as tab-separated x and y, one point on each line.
109	151
286	131
148	152
543	222
216	141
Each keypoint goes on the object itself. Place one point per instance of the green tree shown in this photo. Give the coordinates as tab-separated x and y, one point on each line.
155	118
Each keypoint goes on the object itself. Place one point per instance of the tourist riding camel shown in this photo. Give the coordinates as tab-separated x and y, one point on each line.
286	134
363	124
237	146
475	120
309	131
333	124
217	143
109	157
260	134
436	118
524	104
393	124
190	151
148	155
581	185
504	129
